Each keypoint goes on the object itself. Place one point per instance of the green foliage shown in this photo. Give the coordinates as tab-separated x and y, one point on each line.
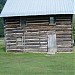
2	2
1	23
74	27
1	28
1	33
2	48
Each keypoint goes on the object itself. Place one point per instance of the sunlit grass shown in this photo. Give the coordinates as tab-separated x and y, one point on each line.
35	64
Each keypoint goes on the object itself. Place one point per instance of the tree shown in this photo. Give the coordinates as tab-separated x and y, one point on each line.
2	2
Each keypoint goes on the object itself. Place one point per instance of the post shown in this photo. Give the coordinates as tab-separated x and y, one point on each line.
24	41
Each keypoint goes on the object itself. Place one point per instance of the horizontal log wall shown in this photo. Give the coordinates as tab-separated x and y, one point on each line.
12	30
32	37
64	32
36	33
36	36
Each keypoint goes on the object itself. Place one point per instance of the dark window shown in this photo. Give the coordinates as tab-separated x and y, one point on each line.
52	20
23	21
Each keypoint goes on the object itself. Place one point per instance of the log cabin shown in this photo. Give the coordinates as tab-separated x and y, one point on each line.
38	25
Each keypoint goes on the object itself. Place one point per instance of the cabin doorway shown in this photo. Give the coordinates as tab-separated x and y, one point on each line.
52	47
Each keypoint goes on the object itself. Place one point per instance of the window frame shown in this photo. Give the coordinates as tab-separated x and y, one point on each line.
53	20
23	21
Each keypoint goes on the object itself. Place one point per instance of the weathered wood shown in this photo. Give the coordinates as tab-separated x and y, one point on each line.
34	36
16	50
65	49
38	23
15	22
67	26
64	32
63	36
64	39
64	46
60	19
64	29
61	23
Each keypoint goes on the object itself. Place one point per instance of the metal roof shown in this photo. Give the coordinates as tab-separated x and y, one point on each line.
37	7
74	6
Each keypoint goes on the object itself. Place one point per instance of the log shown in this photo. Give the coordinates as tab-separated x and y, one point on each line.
65	49
63	36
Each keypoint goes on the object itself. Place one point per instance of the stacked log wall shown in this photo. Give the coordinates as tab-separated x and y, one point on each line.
64	32
12	31
37	29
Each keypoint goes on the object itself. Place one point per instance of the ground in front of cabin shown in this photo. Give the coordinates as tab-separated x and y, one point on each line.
35	63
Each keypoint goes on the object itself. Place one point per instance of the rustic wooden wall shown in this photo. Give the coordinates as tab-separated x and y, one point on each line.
64	32
12	31
35	33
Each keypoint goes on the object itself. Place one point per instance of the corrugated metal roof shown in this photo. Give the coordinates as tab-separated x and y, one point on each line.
74	6
37	7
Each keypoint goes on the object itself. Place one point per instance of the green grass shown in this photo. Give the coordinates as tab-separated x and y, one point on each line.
2	48
35	63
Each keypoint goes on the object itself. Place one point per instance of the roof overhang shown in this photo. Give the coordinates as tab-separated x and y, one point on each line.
37	7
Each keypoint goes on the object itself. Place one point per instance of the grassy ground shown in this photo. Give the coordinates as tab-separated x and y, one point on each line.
35	64
2	45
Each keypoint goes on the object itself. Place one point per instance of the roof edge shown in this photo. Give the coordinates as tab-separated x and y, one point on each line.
34	15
